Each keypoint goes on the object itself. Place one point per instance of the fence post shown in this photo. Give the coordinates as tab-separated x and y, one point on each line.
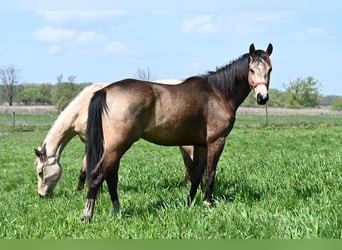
266	115
13	119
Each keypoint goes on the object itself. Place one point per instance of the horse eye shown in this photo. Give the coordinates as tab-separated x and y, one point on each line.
252	71
40	174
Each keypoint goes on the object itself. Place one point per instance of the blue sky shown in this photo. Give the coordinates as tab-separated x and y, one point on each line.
109	40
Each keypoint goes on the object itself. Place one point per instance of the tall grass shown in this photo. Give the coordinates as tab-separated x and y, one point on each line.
278	181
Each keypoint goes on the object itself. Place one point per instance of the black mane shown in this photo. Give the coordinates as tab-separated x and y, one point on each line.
225	78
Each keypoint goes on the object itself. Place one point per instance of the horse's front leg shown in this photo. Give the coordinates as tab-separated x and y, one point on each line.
196	171
96	179
214	151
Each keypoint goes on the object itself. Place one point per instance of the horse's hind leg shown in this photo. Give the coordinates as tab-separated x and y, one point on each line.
112	182
196	172
96	179
187	154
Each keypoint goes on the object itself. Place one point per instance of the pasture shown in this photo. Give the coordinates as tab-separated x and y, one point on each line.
278	181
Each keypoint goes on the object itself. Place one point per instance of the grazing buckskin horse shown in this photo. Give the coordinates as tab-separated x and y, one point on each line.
71	122
200	111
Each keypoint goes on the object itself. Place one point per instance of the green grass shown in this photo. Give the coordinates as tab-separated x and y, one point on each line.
283	180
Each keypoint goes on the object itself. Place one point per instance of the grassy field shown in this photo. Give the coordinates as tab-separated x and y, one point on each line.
278	181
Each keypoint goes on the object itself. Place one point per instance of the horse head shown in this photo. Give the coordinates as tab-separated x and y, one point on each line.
260	68
48	172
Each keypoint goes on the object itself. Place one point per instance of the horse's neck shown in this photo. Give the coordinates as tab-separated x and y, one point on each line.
60	133
241	91
70	122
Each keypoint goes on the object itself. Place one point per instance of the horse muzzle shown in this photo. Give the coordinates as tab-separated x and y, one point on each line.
44	192
46	195
262	98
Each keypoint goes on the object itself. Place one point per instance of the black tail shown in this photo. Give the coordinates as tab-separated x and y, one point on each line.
94	132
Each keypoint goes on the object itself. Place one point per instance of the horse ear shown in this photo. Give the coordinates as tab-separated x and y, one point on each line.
251	49
269	49
40	154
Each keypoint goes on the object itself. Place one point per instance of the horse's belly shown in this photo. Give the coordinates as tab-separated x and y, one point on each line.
174	137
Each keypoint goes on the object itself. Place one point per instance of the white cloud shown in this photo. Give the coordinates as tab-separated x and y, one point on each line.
78	16
219	24
198	24
88	37
50	34
310	33
274	17
73	41
243	22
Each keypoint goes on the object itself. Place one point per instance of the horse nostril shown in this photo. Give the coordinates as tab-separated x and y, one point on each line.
262	99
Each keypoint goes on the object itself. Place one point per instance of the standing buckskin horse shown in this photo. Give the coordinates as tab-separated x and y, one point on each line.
200	111
71	122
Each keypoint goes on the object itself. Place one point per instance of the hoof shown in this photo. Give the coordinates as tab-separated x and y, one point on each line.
116	207
207	204
85	220
87	214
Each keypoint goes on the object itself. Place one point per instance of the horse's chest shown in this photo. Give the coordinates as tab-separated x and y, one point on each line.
220	121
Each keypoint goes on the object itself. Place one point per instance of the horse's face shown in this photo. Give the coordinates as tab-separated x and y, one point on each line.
48	172
259	73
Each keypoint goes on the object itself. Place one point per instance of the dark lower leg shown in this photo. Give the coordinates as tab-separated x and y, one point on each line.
112	182
88	210
96	179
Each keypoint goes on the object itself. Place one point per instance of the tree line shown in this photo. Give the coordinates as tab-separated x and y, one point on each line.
300	93
59	95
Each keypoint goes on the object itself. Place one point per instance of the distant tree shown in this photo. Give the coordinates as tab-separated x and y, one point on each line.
27	95
302	93
44	91
145	74
9	76
336	103
63	92
34	93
